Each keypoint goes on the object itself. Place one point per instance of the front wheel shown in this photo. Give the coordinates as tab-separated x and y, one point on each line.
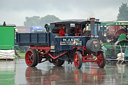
101	59
31	58
77	59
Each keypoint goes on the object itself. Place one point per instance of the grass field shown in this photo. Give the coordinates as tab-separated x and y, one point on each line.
21	55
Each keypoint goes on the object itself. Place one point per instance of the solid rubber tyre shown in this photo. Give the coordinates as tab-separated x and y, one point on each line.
102	61
77	59
31	58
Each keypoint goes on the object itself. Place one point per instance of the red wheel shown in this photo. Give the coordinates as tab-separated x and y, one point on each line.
58	62
31	58
101	59
77	59
119	32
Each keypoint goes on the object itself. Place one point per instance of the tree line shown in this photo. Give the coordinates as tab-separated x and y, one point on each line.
41	21
123	12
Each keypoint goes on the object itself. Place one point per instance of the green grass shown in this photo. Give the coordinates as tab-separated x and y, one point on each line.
22	55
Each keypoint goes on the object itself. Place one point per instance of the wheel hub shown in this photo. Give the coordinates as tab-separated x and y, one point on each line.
94	58
30	58
76	60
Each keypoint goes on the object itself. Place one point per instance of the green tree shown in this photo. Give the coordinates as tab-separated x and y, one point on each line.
40	21
48	19
123	12
32	21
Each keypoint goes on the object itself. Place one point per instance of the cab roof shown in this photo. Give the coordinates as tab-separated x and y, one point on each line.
76	21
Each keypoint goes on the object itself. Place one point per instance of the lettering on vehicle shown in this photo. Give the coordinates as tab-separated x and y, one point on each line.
75	41
72	40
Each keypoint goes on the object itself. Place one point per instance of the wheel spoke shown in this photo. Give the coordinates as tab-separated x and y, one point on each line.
29	54
101	62
101	58
76	60
122	43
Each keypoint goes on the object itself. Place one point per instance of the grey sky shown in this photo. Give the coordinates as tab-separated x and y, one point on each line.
15	11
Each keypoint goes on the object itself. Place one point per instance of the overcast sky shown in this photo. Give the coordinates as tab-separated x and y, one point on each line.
15	11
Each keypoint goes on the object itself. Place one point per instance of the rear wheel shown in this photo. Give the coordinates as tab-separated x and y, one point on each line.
58	62
119	32
77	59
31	58
102	61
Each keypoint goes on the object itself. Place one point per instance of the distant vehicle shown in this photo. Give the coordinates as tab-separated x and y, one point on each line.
78	45
113	29
37	29
22	29
117	34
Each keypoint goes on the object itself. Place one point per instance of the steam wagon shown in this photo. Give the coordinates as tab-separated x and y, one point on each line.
79	44
117	35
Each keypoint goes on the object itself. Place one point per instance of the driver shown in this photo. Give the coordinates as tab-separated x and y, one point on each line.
62	31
